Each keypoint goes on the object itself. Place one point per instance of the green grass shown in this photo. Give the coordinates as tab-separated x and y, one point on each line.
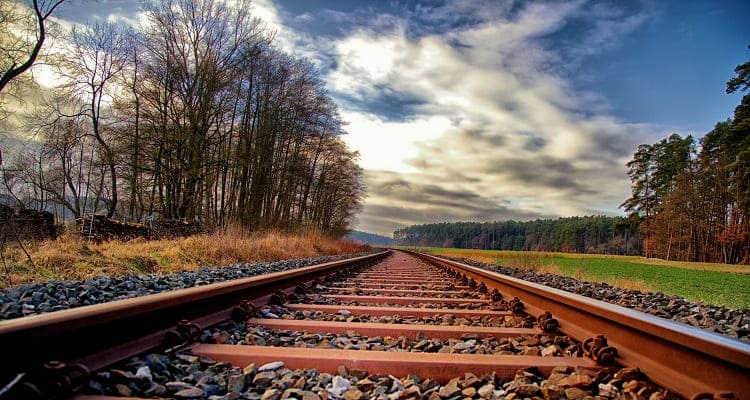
711	287
715	284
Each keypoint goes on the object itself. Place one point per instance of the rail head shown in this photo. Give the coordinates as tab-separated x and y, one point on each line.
92	315
101	334
682	358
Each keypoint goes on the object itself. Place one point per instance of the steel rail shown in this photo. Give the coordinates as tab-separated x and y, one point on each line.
92	337
440	366
692	363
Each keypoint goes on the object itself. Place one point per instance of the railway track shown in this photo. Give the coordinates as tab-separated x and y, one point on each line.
389	325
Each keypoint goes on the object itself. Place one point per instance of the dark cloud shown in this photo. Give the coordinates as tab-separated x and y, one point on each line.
384	101
610	146
544	172
534	144
417	18
385	218
485	137
398	201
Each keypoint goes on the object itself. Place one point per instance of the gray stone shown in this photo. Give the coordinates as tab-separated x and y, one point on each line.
272	366
450	389
486	391
354	394
191	393
144	372
236	383
175	386
123	390
264	379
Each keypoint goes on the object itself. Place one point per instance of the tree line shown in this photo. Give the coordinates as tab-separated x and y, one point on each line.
691	198
195	115
590	234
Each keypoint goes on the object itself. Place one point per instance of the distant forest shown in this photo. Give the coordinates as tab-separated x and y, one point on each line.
592	234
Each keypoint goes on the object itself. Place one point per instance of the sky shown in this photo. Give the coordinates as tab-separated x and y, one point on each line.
494	110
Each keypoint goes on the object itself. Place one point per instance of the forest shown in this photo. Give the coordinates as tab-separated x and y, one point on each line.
691	198
197	115
591	234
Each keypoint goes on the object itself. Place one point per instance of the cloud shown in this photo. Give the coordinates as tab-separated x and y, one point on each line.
470	110
399	199
517	140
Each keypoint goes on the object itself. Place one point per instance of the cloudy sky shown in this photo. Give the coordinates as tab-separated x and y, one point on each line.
495	110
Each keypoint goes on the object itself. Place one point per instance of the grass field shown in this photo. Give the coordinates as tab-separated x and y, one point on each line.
70	257
717	284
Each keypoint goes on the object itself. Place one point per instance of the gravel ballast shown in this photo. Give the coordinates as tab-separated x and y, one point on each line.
182	375
38	298
186	376
726	321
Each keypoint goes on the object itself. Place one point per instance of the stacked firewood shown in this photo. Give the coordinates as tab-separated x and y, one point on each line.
25	224
104	228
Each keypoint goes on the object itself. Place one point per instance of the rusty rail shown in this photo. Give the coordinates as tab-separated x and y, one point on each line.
691	362
54	352
59	349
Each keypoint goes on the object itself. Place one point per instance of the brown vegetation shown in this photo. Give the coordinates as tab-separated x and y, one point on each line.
72	257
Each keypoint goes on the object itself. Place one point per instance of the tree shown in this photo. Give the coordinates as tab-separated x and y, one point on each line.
695	206
18	53
98	57
591	234
740	82
198	117
193	50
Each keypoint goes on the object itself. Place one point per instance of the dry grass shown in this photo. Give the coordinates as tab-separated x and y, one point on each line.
71	257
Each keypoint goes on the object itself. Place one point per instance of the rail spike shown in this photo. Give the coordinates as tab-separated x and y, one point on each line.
482	288
547	323
597	349
301	289
278	298
516	305
243	311
184	332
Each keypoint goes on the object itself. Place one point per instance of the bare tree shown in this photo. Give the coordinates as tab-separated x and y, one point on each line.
18	53
193	49
99	56
198	117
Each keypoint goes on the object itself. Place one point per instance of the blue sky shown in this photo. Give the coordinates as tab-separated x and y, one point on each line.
493	110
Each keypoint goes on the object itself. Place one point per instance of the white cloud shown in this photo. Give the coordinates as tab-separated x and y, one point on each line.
501	125
269	14
375	139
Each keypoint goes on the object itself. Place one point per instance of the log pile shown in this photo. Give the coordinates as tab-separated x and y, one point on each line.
23	224
108	229
170	229
104	228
